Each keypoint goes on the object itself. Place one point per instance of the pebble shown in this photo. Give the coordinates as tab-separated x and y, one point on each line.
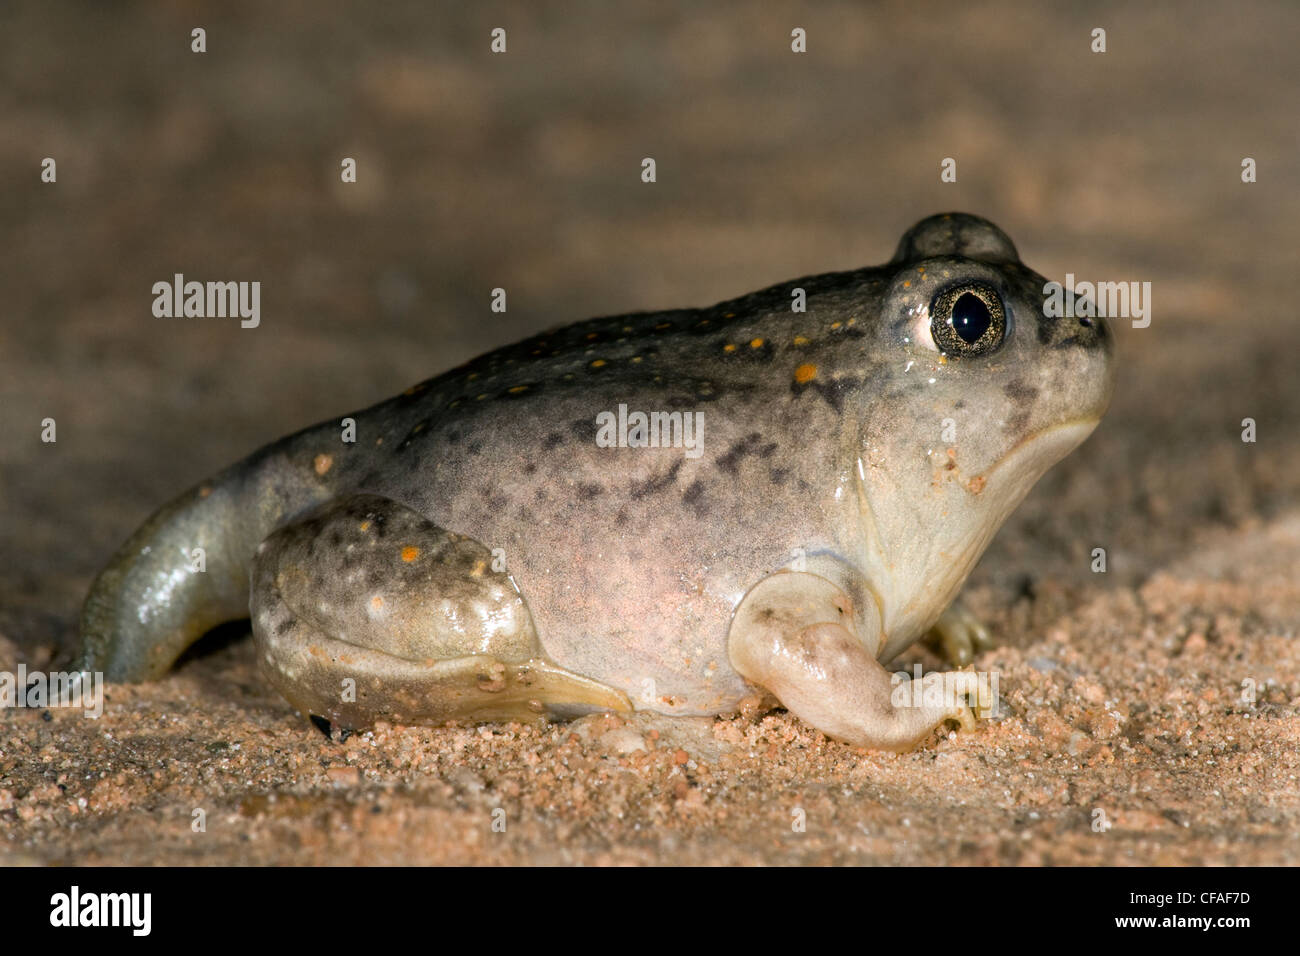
622	740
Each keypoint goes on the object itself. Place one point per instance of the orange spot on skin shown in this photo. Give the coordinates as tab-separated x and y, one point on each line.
805	373
376	602
664	325
728	347
800	340
365	526
976	484
836	325
907	284
323	463
204	491
410	553
598	363
756	344
518	388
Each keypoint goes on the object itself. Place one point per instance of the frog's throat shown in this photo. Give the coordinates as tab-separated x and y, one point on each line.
912	587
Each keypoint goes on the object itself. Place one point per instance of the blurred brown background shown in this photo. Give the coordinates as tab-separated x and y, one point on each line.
522	171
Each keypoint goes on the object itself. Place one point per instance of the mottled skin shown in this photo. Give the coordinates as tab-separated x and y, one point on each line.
824	478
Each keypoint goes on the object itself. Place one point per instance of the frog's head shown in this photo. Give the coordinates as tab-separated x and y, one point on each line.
982	391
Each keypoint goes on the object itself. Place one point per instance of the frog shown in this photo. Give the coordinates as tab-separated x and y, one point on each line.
693	512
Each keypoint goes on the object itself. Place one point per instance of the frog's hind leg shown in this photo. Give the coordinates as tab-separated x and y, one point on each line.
365	610
958	635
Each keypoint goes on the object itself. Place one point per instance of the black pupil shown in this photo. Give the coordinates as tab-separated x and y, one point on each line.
970	317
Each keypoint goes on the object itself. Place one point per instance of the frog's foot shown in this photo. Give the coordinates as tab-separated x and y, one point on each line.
958	635
791	635
365	610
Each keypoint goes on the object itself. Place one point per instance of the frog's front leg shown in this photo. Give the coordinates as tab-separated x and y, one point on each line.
366	610
799	636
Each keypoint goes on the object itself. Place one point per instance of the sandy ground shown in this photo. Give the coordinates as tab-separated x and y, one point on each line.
1123	692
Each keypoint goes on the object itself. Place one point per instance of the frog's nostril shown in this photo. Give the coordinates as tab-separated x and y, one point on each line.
1085	321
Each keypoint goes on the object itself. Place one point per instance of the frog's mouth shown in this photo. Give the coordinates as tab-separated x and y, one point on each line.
1032	456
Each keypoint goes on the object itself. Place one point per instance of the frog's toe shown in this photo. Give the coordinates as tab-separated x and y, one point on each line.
958	635
366	610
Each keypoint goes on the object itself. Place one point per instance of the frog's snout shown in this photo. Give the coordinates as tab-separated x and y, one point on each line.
1098	340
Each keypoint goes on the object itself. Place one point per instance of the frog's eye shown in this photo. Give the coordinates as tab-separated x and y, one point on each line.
968	319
